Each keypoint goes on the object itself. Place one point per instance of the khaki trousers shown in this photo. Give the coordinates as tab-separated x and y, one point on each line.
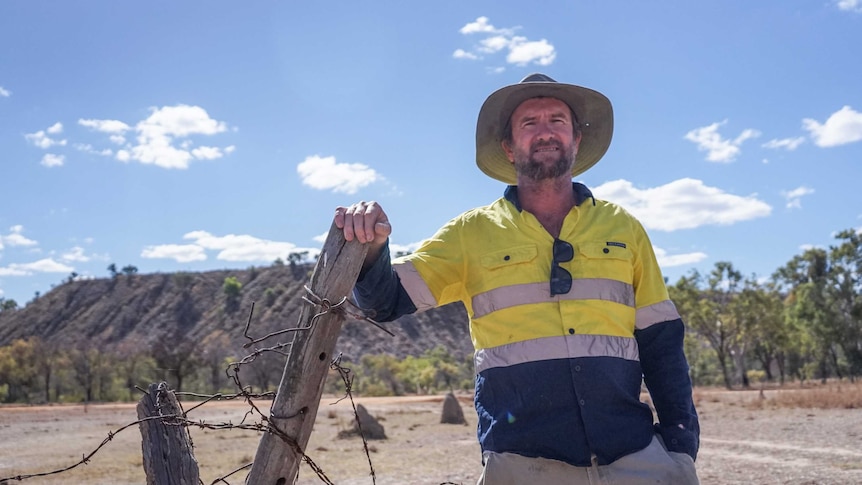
652	465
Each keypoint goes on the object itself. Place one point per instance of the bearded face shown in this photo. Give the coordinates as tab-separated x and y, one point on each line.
543	140
544	160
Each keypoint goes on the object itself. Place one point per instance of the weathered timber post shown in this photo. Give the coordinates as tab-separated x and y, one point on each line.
168	455
295	406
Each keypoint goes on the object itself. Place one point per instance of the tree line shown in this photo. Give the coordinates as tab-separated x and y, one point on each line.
802	322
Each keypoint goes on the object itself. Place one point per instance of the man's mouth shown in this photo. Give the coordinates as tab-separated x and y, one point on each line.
546	148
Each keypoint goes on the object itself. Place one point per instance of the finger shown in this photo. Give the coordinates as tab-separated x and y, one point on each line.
339	216
362	218
350	220
383	229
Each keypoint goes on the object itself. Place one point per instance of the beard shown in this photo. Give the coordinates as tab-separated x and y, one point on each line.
527	164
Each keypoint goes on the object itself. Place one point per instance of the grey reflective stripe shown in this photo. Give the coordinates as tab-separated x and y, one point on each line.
582	289
655	313
562	347
415	286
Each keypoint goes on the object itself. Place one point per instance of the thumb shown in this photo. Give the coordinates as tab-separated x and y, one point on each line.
382	229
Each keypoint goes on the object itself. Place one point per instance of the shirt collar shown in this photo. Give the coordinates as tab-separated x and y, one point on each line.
581	192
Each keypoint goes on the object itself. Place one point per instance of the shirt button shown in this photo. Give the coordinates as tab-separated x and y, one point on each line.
606	250
571	331
577	368
582	402
506	258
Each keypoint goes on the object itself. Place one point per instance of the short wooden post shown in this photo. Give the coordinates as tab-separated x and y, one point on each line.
168	455
295	405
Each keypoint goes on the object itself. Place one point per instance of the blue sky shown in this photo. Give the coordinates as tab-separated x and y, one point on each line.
201	135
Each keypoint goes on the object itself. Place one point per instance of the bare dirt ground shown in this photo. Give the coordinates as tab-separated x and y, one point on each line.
740	445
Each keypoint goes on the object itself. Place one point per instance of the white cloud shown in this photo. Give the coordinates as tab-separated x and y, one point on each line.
849	5
105	126
208	153
157	133
87	148
794	197
719	149
462	54
404	248
682	204
788	144
5	93
46	265
323	173
41	138
234	247
481	26
52	160
520	50
15	238
842	127
164	138
75	254
523	52
9	271
493	44
668	261
181	253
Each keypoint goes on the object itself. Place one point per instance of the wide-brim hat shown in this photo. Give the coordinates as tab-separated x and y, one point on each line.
592	110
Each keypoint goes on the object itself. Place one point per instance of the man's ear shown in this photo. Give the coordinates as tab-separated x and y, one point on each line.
508	149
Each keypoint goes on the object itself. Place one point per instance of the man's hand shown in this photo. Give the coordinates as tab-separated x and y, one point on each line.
367	223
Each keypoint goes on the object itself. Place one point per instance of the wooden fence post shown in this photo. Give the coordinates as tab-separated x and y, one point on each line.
167	451
295	405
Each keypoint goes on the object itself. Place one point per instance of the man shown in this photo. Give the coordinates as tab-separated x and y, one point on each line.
568	309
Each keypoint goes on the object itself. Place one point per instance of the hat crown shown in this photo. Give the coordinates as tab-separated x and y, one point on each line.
537	78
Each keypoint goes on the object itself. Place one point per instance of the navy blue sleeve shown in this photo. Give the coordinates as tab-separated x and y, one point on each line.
379	289
666	376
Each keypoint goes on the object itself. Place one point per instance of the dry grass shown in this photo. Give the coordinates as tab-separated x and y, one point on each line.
831	395
745	438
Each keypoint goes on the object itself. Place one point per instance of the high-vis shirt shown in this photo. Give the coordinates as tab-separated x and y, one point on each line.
557	376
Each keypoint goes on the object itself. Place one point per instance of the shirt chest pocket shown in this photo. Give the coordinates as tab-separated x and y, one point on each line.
604	260
508	266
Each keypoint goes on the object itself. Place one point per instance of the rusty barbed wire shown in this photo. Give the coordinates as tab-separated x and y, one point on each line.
347	378
344	307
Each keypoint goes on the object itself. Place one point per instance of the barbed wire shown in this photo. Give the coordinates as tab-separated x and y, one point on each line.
344	308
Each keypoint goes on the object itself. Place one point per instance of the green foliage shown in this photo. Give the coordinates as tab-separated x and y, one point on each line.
130	270
270	295
19	369
434	371
183	280
8	304
232	289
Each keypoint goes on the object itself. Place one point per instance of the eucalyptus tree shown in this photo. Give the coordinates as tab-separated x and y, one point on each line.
704	304
805	279
845	296
765	334
825	298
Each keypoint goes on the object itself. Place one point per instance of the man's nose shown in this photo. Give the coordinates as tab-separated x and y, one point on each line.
544	131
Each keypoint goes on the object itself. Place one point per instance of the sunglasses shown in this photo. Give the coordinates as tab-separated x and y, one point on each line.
561	279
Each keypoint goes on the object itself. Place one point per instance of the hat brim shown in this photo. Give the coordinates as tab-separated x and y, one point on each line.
592	109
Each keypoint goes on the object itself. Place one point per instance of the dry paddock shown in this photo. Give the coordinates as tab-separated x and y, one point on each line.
741	444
